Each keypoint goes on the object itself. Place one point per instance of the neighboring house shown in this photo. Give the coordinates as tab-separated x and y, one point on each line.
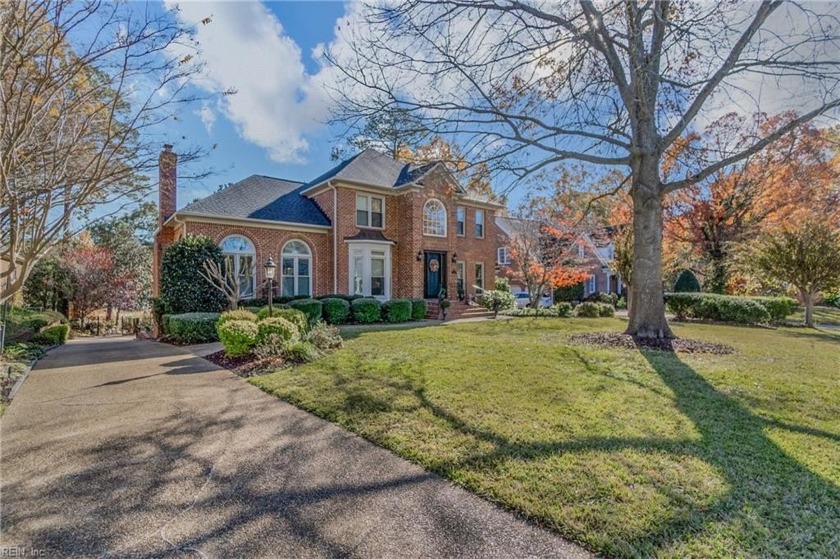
595	253
371	226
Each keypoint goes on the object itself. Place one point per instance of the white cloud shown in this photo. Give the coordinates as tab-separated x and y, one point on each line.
207	116
245	48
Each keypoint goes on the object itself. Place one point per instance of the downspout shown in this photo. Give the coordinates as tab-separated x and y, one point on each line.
335	236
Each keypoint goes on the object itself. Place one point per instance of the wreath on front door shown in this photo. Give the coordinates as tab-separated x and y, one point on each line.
434	265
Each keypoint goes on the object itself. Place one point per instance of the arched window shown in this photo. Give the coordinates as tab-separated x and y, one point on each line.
240	258
295	269
434	219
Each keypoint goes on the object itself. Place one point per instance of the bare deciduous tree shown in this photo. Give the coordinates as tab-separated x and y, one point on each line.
84	90
529	86
223	278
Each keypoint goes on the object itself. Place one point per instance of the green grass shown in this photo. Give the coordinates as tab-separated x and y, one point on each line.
19	322
823	316
634	454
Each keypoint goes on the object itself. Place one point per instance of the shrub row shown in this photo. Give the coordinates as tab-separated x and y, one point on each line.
725	308
53	335
591	309
191	328
347	308
562	309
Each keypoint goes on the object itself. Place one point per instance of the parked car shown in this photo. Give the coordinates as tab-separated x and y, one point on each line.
523	300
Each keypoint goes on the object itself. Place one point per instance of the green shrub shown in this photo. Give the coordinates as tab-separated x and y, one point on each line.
336	311
719	308
238	336
53	335
569	293
254	310
495	300
22	351
779	308
418	309
312	308
588	310
240	314
294	316
301	352
182	287
396	310
687	283
366	311
621	303
324	337
605	310
192	328
279	326
501	284
832	299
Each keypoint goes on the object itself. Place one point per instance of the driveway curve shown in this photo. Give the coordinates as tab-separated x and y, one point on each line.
125	448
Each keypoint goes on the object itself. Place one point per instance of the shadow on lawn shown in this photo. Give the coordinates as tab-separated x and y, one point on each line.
774	504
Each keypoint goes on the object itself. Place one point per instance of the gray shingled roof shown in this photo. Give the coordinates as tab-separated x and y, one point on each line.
374	168
260	197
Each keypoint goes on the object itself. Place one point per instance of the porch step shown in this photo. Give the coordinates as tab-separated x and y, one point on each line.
456	310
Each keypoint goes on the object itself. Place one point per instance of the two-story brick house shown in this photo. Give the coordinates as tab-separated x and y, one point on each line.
370	225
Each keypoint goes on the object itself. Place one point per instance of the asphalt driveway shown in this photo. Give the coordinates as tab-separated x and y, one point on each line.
126	448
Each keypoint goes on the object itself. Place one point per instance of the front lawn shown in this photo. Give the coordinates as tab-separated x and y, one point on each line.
823	316
635	454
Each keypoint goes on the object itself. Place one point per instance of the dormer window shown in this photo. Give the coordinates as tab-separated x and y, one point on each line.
370	211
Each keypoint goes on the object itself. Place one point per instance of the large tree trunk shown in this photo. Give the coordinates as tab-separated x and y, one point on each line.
808	300
645	298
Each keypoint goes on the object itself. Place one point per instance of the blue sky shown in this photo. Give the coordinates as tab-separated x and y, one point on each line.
263	93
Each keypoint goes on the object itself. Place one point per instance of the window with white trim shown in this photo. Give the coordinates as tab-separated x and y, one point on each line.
581	251
592	284
479	276
370	211
503	257
370	270
295	269
239	259
461	220
479	224
434	218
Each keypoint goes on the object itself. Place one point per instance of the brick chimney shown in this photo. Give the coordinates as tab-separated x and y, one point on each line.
168	170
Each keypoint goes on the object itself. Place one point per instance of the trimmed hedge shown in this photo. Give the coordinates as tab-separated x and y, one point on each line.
779	308
54	335
588	310
366	311
335	311
182	287
192	328
687	283
569	293
418	309
277	325
606	310
312	308
348	298
238	336
396	310
562	309
719	308
240	314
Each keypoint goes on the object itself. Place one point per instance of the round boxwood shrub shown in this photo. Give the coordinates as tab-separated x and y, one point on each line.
52	335
336	311
396	310
366	311
498	300
238	336
277	325
193	327
312	308
606	310
182	287
587	310
562	309
240	314
418	309
687	283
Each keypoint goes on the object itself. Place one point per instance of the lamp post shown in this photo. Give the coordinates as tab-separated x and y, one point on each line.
270	267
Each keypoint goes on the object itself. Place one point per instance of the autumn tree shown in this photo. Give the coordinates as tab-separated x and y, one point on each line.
90	273
529	86
786	180
84	90
804	254
543	257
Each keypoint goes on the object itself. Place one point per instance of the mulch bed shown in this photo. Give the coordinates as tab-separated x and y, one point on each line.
246	366
682	345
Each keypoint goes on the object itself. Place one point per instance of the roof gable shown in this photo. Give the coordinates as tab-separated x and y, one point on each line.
374	168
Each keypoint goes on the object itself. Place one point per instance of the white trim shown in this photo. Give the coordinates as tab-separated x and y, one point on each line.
237	263
261	223
353	185
445	219
506	260
295	258
370	242
483	223
365	252
370	212
483	285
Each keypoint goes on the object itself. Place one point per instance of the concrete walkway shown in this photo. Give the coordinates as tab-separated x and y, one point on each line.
126	448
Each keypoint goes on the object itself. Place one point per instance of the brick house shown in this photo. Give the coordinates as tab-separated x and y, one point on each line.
595	252
370	225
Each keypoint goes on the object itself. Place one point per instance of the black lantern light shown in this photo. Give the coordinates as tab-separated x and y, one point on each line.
419	255
270	267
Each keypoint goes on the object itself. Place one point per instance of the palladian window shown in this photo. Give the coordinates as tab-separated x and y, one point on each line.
240	256
295	269
434	219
